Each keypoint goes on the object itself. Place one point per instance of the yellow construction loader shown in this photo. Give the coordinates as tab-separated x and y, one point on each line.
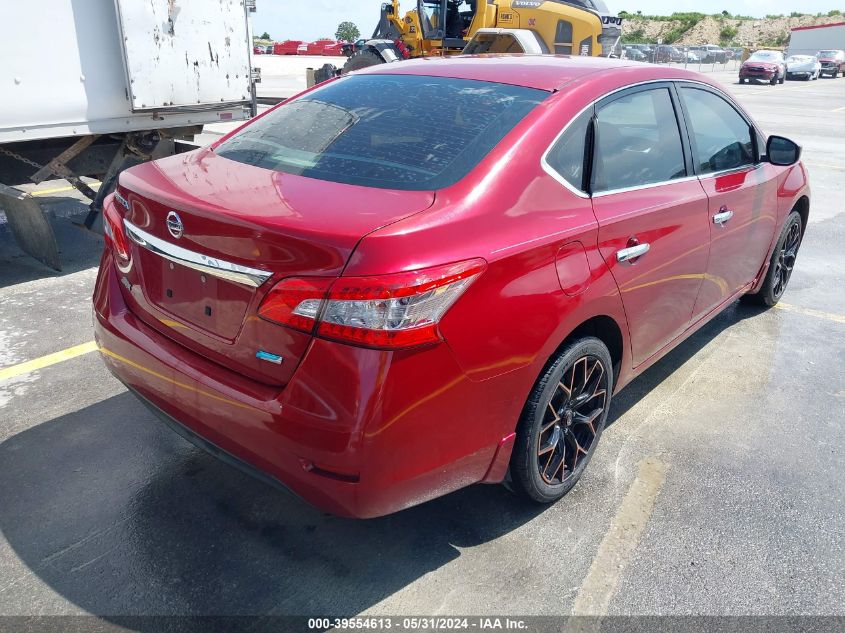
451	27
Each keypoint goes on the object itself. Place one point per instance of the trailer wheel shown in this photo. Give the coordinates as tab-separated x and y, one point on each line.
362	59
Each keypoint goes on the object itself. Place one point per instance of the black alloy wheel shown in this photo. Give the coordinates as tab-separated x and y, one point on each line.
781	264
563	421
786	258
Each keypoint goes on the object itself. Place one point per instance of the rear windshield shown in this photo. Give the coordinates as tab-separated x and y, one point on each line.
388	131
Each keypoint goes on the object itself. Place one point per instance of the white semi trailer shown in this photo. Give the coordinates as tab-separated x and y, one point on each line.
91	87
809	40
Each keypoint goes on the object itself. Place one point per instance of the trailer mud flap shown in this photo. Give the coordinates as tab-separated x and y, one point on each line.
30	226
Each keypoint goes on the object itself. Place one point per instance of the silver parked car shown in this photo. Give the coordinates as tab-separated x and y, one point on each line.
692	56
806	66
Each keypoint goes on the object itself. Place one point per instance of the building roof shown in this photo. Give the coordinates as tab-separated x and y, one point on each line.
817	26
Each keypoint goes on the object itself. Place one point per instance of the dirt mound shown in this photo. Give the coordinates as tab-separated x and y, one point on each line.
713	30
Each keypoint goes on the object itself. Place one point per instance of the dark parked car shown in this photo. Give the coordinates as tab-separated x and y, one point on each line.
664	54
373	311
645	49
833	63
634	54
349	48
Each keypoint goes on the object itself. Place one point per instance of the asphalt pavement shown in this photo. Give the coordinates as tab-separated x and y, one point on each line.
718	488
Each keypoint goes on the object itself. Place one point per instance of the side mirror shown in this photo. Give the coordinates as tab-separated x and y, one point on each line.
781	151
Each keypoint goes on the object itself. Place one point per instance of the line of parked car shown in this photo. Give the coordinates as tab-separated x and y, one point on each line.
333	48
763	65
771	66
666	53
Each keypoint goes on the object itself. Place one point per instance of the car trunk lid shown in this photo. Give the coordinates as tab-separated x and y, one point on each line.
211	236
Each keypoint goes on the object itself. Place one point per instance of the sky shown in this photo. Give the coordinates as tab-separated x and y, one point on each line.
309	20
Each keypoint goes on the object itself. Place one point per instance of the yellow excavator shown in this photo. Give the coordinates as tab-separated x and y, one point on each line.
451	27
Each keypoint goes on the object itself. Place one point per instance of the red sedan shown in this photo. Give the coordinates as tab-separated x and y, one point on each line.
767	66
437	273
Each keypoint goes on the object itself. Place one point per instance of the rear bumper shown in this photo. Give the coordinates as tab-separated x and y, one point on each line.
356	432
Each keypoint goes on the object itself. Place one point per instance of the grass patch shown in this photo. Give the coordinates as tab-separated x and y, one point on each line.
727	35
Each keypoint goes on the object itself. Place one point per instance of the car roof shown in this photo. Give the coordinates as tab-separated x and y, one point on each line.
543	72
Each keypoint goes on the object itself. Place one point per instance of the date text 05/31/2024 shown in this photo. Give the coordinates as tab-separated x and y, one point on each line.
417	623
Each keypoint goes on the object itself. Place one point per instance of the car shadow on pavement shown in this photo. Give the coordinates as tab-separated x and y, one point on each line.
120	516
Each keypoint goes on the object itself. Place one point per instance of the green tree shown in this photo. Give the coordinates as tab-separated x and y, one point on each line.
266	36
347	31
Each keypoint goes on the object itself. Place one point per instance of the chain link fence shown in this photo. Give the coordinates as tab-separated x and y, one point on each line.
697	58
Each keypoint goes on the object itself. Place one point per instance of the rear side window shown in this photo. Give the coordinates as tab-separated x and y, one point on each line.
568	155
637	142
721	136
388	131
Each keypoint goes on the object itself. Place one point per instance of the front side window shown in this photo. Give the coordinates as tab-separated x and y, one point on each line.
637	142
721	136
387	131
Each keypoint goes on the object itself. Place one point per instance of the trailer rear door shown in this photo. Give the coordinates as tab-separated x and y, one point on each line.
182	53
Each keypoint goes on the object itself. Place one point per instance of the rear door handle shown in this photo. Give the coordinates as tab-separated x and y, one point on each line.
723	216
632	252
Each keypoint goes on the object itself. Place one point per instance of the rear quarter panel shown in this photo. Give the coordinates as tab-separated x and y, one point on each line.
517	217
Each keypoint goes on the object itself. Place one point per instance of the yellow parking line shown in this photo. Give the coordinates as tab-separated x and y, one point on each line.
620	542
46	361
50	192
829	316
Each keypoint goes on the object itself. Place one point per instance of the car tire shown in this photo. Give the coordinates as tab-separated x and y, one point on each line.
774	80
362	59
781	264
741	80
781	79
562	421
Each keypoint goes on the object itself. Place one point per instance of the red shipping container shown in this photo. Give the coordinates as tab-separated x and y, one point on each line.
316	48
334	49
288	47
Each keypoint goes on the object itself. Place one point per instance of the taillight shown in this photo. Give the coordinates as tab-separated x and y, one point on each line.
295	302
114	233
387	311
